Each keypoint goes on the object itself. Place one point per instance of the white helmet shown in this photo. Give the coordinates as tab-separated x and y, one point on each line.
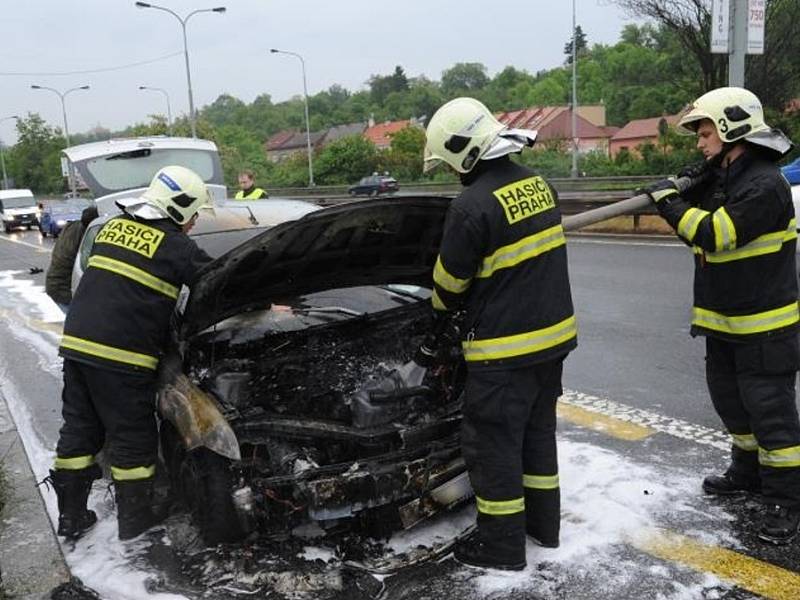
460	133
175	192
735	112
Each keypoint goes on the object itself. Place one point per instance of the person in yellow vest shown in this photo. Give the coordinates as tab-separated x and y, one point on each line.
248	190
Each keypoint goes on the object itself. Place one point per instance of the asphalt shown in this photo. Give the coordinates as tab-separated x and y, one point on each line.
31	562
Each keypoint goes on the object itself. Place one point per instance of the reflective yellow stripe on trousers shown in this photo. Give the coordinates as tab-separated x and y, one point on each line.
522	343
109	352
120	474
76	463
746	442
785	457
500	508
746	324
134	273
540	482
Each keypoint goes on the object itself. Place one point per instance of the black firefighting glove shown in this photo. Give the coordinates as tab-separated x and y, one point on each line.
433	346
660	190
696	170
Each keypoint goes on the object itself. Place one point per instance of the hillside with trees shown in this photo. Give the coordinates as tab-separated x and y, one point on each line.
654	69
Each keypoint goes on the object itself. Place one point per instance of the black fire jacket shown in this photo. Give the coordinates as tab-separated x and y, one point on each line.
503	257
119	317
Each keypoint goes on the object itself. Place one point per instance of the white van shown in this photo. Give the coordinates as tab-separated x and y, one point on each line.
18	209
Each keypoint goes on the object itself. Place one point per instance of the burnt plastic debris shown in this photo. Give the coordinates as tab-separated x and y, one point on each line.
384	401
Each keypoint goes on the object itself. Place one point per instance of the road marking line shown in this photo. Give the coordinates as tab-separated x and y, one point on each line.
39	248
612	426
651	420
748	573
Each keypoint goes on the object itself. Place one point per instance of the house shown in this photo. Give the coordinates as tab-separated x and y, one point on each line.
337	132
381	134
637	133
554	124
283	144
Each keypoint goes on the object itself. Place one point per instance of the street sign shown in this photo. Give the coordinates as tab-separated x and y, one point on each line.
756	15
720	27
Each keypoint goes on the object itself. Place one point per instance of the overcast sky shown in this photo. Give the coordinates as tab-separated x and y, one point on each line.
342	41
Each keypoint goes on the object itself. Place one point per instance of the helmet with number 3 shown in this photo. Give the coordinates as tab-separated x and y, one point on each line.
736	113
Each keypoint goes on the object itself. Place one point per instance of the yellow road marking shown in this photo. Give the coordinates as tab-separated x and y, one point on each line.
748	573
617	428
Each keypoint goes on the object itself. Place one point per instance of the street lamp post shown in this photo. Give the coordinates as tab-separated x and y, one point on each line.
2	160
183	21
169	110
574	171
305	100
70	174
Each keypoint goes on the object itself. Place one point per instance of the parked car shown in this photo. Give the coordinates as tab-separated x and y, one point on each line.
792	172
374	185
55	216
279	399
18	209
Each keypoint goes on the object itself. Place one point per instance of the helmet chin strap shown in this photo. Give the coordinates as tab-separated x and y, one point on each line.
716	160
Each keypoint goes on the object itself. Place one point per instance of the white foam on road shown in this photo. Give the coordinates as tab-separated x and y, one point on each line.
31	295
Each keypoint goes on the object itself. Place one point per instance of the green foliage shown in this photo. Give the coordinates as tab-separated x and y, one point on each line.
580	47
463	79
404	159
345	160
35	162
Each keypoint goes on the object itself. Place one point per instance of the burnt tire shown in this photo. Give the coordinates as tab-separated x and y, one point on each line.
203	481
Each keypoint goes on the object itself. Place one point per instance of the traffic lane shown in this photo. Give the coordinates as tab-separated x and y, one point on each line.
23	249
633	302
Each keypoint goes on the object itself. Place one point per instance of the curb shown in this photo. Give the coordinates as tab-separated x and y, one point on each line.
31	562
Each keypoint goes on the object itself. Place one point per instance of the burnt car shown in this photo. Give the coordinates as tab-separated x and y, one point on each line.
283	395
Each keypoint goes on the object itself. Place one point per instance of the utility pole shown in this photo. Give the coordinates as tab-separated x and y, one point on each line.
574	170
737	29
739	38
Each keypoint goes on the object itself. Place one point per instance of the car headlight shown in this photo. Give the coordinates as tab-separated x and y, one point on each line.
61	222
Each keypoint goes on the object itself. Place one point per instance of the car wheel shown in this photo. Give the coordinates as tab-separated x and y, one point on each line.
7	228
203	481
30	227
43	232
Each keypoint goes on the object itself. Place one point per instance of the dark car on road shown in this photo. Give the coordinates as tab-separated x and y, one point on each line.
280	396
792	172
55	216
374	185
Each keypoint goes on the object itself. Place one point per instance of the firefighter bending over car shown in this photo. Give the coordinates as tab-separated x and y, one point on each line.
116	328
740	223
503	259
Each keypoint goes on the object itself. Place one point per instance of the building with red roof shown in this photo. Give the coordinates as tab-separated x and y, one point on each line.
637	133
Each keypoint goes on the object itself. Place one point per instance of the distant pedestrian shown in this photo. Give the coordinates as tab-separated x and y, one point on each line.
740	222
247	187
58	280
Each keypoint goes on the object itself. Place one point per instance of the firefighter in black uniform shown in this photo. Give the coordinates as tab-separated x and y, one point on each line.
740	223
503	259
117	326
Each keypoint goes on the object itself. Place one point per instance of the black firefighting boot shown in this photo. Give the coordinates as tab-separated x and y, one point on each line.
780	525
543	516
72	490
729	484
477	552
136	512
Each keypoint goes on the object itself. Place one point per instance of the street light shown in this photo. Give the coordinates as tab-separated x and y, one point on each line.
2	160
305	100
71	175
574	171
183	21
169	110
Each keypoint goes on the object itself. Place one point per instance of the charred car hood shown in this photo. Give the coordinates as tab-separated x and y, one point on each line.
393	240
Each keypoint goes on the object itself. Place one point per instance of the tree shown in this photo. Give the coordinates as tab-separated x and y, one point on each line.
580	48
404	159
34	162
345	160
464	78
381	86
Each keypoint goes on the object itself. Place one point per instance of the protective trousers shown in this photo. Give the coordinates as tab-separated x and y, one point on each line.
509	446
752	386
99	405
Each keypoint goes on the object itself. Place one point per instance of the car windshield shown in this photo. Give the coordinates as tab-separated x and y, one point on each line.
218	243
20	202
68	207
134	169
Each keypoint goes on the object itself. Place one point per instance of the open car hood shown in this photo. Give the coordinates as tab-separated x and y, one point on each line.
393	240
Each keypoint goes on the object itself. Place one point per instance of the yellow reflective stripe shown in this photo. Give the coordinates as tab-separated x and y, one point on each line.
134	273
540	482
690	221
437	302
785	457
745	324
746	442
724	231
75	463
502	507
447	281
522	343
526	248
763	244
120	474
109	352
